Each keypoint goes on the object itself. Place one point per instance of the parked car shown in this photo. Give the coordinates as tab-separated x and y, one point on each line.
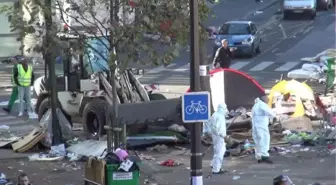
303	7
325	4
242	35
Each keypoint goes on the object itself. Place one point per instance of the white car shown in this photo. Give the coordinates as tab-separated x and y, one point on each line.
304	7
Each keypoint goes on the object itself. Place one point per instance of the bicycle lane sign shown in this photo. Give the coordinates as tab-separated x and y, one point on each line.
196	107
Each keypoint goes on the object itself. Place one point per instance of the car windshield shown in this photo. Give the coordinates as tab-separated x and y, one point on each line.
235	29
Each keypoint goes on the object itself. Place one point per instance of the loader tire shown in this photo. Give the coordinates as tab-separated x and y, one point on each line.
94	119
45	105
157	96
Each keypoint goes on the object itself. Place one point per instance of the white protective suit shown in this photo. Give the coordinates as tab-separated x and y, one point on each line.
217	125
261	113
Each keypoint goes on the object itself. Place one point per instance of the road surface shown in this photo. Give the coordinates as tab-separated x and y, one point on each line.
282	49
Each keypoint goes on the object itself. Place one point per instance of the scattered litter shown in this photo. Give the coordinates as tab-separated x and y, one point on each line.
177	128
5	141
332	152
56	153
146	157
29	141
158	148
4	127
73	157
235	177
286	132
304	149
73	141
258	12
89	148
322	160
58	150
170	163
3	178
285	171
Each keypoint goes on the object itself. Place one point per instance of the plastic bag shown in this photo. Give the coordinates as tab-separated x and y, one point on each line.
46	123
65	125
311	67
303	74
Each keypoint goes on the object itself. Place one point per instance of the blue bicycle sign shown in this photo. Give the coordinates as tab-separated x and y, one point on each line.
196	107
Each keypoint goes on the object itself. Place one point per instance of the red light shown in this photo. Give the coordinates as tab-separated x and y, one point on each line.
132	4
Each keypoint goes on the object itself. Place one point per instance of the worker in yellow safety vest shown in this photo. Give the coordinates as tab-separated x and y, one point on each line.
24	78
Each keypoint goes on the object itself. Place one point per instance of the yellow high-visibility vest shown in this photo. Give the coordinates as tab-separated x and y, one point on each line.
24	77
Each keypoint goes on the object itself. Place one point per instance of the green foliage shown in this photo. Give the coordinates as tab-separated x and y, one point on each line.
128	35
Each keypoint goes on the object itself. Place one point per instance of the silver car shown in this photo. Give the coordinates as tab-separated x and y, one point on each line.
304	7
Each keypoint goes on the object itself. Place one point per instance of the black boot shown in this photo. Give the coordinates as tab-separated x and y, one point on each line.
266	160
221	171
6	109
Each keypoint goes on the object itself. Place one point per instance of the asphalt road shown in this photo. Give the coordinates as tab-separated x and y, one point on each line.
282	49
17	125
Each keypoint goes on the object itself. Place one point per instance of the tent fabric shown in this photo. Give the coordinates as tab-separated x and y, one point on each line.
293	87
234	87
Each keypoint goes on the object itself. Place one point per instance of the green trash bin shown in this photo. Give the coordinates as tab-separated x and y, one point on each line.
330	74
114	177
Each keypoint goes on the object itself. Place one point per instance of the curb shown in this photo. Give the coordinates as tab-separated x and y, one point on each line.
268	5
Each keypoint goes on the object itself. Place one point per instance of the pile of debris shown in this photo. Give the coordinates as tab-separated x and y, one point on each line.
316	67
41	138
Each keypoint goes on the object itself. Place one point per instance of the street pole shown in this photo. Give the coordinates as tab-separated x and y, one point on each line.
122	137
50	59
111	80
196	129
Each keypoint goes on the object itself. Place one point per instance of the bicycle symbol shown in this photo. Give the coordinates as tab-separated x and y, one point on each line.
198	107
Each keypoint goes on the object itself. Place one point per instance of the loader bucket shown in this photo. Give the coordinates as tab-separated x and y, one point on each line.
149	112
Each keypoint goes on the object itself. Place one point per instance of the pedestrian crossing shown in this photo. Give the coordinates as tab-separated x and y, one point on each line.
245	65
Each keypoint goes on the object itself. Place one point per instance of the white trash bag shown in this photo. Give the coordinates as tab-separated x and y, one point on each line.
311	67
46	123
304	74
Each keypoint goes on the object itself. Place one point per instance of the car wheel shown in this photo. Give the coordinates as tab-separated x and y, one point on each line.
313	15
257	50
252	52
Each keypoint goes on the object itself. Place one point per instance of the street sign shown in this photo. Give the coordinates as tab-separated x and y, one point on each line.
195	107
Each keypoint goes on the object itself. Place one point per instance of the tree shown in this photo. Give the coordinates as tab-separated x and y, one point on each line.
169	21
118	26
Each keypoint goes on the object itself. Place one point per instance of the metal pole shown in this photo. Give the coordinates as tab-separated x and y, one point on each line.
50	59
122	137
196	131
109	123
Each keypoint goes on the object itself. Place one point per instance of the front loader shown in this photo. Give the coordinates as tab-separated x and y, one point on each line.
84	92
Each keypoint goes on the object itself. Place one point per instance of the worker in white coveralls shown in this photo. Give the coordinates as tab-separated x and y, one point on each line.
217	125
261	114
